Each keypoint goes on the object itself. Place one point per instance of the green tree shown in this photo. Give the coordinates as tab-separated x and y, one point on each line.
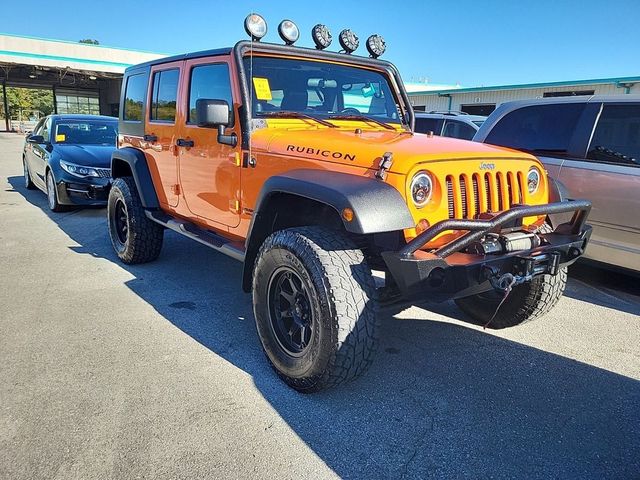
90	41
23	101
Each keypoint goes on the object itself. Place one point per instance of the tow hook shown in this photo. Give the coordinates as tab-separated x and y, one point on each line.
503	282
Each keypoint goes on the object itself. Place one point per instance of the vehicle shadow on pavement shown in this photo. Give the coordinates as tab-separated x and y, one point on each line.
441	400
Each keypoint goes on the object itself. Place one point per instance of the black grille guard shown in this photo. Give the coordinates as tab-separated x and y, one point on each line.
477	228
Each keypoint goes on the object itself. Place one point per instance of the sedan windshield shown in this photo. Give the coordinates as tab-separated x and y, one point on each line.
281	87
85	132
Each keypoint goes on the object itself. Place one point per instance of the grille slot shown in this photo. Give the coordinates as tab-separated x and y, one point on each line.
491	192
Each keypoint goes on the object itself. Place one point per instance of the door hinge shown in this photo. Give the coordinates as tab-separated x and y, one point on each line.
175	189
234	206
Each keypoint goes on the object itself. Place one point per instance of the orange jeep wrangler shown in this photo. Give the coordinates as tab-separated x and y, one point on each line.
303	164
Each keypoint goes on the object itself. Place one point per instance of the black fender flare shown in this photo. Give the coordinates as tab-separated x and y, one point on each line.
557	191
137	164
377	206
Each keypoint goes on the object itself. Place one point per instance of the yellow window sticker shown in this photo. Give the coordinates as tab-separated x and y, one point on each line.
61	137
263	90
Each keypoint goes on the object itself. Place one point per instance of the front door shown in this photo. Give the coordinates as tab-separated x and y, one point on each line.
209	173
40	154
159	143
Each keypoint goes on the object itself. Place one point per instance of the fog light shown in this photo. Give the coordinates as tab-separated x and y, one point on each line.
255	26
288	32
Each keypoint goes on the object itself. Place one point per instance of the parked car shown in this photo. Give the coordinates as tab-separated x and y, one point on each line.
69	158
302	164
449	124
591	148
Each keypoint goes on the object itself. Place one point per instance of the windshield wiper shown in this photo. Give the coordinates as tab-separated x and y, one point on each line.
292	114
363	118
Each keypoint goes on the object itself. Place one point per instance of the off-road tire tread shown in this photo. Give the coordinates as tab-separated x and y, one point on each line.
145	236
350	291
525	303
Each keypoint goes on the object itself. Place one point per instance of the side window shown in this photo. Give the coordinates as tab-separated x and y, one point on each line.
133	98
164	95
617	136
212	82
424	125
38	128
455	129
539	127
46	127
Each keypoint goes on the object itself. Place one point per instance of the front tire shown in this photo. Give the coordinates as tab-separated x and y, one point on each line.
313	303
52	194
135	238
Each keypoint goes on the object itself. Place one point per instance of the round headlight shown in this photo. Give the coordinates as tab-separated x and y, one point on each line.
533	180
421	189
255	26
288	32
349	41
376	46
321	36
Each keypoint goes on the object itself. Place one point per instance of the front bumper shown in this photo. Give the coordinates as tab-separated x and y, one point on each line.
449	272
78	191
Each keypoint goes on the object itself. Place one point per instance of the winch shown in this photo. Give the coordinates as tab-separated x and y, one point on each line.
494	243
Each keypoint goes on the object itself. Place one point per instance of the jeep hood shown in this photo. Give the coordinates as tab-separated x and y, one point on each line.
345	146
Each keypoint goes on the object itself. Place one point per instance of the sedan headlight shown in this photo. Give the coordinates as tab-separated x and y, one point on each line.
421	189
79	170
533	180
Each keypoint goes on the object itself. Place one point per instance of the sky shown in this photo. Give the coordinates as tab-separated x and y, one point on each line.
466	42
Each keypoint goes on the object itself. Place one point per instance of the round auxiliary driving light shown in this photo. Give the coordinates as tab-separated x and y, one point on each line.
376	46
289	32
533	180
255	26
349	41
321	36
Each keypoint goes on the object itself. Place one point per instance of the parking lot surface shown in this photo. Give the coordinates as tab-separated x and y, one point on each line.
155	371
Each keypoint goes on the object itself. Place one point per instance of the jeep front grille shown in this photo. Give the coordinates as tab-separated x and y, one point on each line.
488	192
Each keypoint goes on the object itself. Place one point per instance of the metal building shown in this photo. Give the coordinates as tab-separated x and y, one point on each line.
83	78
483	100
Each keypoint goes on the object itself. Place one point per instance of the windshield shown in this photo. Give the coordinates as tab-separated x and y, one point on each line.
319	89
86	132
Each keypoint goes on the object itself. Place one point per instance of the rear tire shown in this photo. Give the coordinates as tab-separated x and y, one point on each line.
28	184
135	238
313	300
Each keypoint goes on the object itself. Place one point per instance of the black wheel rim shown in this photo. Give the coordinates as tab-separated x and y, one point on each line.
120	221
290	313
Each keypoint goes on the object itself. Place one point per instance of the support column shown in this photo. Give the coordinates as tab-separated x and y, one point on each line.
6	105
55	102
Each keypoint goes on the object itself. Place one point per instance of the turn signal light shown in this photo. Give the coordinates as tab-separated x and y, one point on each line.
421	226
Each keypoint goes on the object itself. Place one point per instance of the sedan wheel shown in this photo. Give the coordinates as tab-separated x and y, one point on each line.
28	184
52	195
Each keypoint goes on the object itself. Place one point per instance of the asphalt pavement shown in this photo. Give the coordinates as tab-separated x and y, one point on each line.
155	371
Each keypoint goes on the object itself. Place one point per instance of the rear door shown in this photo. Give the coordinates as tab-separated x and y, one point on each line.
209	172
159	143
609	176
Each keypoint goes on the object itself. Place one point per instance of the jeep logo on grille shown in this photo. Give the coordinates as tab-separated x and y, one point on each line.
487	166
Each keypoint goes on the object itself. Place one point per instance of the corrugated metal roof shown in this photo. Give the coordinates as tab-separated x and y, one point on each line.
595	81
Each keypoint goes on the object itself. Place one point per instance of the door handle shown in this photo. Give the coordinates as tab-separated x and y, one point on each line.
150	138
181	142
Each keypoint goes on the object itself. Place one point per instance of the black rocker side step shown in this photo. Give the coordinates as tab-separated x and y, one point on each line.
194	232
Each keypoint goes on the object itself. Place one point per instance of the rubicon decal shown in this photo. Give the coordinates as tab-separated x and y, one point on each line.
319	152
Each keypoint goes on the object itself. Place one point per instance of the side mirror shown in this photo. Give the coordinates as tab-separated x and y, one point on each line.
39	139
216	114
